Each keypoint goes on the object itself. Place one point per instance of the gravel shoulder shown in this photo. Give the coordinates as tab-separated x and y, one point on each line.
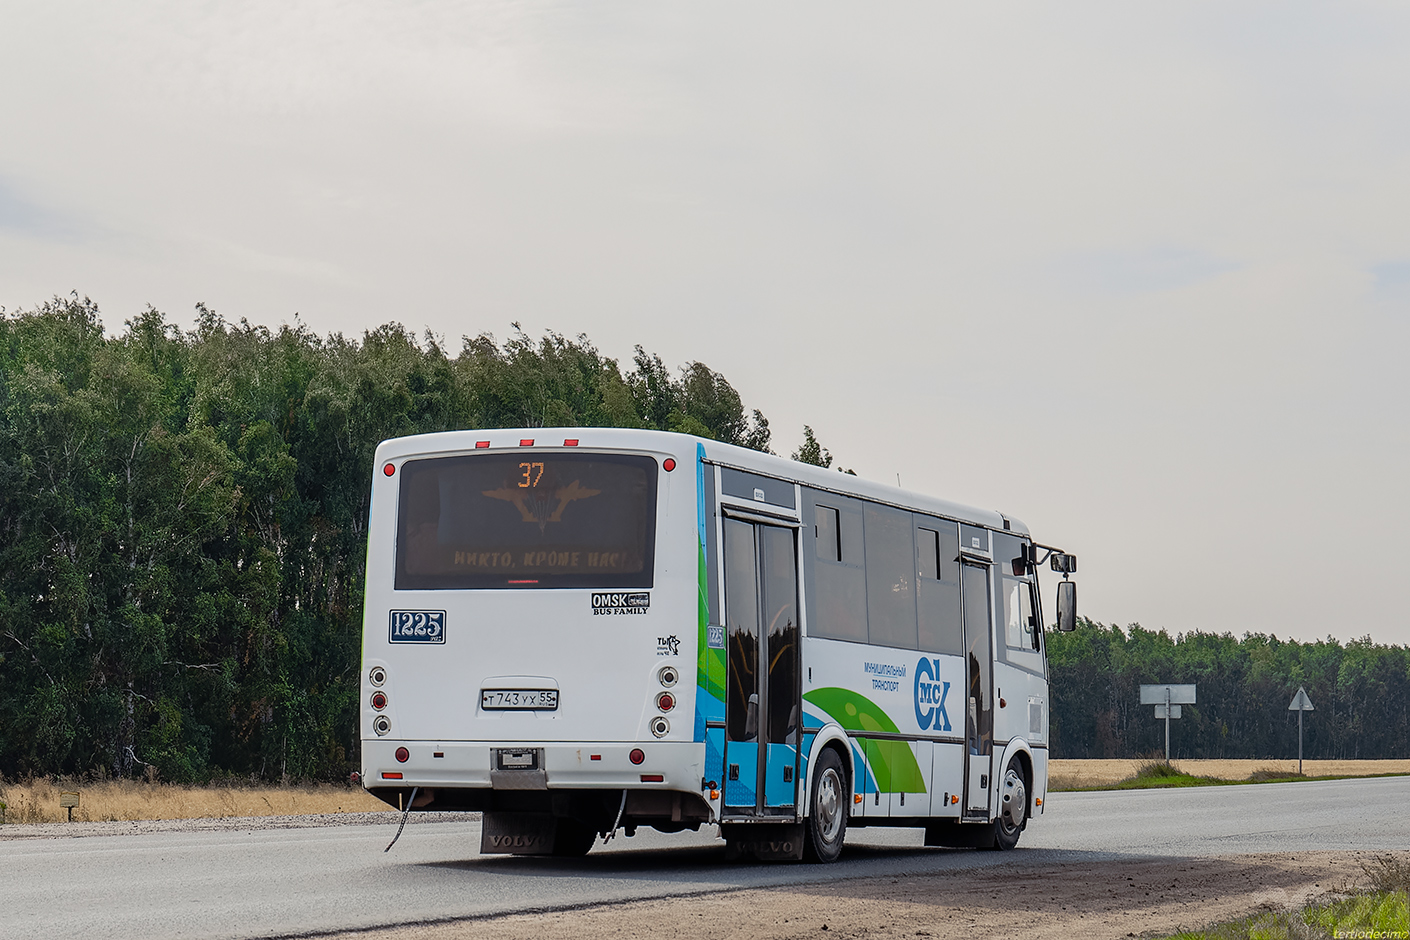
1135	898
219	824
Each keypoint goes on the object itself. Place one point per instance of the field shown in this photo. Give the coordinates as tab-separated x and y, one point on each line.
1070	774
37	801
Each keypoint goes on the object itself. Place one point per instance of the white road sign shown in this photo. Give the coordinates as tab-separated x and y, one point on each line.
1300	702
1179	695
1160	711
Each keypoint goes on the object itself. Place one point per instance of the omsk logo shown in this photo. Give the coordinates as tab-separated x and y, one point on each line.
930	696
621	600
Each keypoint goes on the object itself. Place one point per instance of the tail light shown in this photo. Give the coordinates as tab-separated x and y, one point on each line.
665	701
379	700
660	727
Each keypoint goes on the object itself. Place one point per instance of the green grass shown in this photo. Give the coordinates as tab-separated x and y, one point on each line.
1381	911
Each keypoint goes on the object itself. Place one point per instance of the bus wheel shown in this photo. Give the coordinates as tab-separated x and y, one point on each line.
1013	807
572	839
826	825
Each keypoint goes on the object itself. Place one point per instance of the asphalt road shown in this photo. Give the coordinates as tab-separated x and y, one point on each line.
288	882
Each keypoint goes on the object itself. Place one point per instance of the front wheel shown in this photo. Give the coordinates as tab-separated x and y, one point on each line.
826	825
1013	807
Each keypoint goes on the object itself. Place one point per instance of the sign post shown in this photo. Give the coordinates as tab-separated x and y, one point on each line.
1167	700
68	800
1300	703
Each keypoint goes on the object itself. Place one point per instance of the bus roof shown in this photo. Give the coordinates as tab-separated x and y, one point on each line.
742	458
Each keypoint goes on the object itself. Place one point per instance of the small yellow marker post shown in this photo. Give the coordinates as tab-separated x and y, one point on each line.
68	800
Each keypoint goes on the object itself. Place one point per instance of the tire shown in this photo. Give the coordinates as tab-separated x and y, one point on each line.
1013	806
829	800
572	839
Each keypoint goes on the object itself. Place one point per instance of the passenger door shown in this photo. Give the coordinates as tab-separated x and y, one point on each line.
979	702
762	650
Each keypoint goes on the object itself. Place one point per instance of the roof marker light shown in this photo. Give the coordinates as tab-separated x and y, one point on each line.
527	442
571	442
481	445
669	464
389	469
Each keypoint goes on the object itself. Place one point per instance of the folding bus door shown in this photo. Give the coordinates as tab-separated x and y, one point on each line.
762	649
979	701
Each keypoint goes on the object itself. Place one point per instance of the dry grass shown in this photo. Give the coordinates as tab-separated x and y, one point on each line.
1068	774
37	801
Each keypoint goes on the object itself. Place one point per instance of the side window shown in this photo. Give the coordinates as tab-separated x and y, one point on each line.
890	554
927	553
939	613
1020	618
829	535
839	610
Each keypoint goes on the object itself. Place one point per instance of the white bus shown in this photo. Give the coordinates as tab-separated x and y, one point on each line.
576	631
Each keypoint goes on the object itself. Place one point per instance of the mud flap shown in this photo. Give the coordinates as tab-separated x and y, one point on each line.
768	842
517	833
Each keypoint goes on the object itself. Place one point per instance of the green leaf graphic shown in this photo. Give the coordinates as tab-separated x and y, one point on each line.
893	763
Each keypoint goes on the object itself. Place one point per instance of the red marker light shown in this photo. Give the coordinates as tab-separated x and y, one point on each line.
594	757
637	755
389	469
571	442
669	464
534	581
396	775
527	442
481	445
653	778
403	755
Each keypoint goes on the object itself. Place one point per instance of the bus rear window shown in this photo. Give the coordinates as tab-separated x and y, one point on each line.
526	520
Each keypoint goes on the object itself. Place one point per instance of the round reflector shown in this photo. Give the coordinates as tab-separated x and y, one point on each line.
637	755
669	463
403	755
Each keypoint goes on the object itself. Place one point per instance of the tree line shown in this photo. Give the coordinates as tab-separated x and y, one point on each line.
1361	691
183	520
183	534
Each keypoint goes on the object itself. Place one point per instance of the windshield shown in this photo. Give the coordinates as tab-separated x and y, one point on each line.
526	520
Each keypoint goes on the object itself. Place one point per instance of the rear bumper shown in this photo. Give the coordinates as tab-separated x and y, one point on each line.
574	766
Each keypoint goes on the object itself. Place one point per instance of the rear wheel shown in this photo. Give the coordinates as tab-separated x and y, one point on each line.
828	803
1013	806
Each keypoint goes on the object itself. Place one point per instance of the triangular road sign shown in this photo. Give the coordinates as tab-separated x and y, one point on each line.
1300	702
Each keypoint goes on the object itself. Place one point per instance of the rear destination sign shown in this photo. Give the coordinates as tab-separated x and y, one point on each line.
621	602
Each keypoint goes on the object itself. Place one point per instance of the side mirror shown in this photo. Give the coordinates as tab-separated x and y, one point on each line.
1066	564
1067	606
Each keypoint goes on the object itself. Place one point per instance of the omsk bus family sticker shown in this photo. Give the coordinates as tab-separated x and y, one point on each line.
621	602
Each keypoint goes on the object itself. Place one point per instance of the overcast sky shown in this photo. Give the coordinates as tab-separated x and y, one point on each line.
1137	275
